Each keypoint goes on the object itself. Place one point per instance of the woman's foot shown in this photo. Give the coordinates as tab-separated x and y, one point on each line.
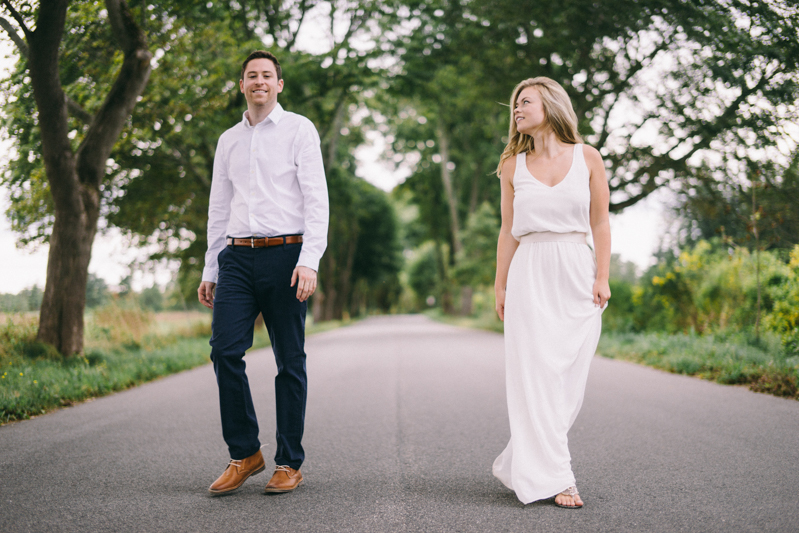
569	499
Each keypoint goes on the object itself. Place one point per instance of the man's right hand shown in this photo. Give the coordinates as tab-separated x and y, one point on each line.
206	294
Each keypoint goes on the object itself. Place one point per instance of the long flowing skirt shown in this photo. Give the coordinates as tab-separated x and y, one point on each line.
552	328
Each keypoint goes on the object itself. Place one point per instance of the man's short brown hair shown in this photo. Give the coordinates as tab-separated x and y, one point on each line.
262	54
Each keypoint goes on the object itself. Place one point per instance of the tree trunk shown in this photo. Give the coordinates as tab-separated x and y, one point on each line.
449	190
61	314
75	180
445	291
466	300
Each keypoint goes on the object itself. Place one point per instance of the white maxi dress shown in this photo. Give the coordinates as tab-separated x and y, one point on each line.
552	328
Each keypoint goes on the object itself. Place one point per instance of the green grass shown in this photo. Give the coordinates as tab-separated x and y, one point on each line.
486	321
731	360
728	359
34	379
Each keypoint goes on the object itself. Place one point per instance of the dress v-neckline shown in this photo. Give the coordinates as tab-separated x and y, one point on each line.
574	154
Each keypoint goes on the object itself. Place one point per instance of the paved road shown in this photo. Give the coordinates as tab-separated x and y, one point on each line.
405	417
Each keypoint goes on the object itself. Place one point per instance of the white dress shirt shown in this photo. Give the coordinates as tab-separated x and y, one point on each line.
268	180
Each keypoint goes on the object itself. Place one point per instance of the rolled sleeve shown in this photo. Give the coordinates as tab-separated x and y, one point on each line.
218	212
311	178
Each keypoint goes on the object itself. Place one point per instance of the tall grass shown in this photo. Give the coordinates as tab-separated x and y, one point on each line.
125	346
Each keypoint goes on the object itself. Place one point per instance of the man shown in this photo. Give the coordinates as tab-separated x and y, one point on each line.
267	230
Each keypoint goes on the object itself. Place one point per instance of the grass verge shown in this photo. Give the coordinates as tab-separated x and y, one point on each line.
34	380
732	359
728	360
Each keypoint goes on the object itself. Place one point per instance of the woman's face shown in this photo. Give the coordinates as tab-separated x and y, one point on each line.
528	111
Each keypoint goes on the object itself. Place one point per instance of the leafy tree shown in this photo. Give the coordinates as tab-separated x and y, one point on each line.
152	298
158	182
71	162
732	209
368	255
96	291
26	300
477	261
423	274
672	93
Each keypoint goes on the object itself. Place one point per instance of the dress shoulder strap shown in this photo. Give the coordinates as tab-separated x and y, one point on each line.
578	149
521	164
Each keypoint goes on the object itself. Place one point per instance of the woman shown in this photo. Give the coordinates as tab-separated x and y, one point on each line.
550	289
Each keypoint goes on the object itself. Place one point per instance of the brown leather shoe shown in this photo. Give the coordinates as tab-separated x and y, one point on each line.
285	479
237	472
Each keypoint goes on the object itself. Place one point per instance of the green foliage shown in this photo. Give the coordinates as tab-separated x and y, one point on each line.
423	274
784	316
725	359
26	300
34	386
734	209
711	289
152	299
476	264
96	291
362	264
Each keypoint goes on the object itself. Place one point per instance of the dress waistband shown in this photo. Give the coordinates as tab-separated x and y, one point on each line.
550	236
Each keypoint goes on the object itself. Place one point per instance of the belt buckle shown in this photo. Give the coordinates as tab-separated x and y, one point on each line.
252	242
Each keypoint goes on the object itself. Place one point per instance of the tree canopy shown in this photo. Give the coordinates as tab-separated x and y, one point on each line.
693	96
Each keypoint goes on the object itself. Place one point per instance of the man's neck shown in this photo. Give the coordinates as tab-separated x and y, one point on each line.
256	114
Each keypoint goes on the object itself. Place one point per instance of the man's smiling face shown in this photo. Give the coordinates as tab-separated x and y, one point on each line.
260	84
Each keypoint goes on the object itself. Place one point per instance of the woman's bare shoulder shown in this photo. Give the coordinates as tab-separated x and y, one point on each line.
508	169
591	154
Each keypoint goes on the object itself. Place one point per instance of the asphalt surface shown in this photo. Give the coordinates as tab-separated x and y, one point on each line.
405	417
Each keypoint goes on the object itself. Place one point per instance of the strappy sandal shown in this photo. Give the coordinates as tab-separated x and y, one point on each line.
571	492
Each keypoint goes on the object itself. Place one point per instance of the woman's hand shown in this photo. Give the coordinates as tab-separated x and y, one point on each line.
601	293
499	295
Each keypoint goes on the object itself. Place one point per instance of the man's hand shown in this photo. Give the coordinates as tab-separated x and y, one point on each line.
305	278
206	294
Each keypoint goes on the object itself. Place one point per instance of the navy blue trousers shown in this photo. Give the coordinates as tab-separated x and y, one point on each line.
252	281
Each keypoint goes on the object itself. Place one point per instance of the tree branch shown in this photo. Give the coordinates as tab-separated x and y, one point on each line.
127	33
19	41
77	111
118	105
17	17
303	10
634	69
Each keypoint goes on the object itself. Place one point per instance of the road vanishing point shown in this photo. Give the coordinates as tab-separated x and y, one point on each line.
405	417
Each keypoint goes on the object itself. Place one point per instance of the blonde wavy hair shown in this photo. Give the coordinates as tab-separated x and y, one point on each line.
559	115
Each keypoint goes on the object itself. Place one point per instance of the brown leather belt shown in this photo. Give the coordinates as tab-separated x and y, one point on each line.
264	242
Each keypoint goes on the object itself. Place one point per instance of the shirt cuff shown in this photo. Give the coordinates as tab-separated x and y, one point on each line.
307	260
210	274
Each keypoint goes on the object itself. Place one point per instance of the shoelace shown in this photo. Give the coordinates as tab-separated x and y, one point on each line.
235	462
283	468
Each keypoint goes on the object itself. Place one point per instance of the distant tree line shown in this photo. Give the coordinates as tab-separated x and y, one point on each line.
99	294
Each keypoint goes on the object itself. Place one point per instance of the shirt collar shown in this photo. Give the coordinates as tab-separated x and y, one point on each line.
275	116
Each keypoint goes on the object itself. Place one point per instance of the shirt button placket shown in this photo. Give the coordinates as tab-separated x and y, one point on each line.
253	185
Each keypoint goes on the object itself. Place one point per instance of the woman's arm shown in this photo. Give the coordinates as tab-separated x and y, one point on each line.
600	224
506	245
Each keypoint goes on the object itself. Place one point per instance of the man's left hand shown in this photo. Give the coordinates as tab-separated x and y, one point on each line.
305	278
